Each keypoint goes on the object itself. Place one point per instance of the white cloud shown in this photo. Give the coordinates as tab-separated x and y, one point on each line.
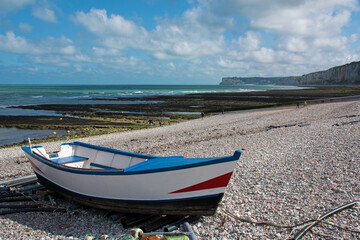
80	68
264	55
185	38
251	41
44	14
51	45
293	44
306	32
105	51
98	22
33	69
304	17
80	58
214	38
13	5
16	44
197	33
200	31
12	43
171	66
49	60
189	37
304	20
67	50
25	27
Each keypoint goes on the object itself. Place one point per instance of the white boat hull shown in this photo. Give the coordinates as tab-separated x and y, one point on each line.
188	189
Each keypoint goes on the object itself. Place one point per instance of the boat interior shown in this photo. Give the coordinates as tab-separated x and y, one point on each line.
87	156
80	155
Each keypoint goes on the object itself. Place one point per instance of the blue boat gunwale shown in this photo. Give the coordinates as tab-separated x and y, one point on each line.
204	162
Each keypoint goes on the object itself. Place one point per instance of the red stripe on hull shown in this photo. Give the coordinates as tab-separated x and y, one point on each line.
35	167
220	181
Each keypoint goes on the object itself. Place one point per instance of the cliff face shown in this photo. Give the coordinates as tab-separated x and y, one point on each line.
348	74
261	80
345	74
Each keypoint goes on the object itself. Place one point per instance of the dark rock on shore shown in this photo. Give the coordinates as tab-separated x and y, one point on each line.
200	102
98	119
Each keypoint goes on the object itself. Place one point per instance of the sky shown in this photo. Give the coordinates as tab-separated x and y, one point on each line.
173	41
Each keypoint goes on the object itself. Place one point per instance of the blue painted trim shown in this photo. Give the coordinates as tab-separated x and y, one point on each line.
69	159
36	146
142	169
157	164
101	166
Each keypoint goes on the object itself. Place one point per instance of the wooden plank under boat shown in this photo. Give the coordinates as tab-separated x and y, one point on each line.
135	183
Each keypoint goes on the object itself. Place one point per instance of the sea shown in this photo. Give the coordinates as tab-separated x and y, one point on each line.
22	95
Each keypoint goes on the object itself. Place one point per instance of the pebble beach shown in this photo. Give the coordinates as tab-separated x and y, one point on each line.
296	165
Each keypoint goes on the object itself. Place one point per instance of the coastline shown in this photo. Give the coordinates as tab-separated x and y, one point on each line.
97	119
285	175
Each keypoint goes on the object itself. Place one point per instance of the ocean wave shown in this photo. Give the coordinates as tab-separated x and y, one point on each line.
246	90
40	96
77	97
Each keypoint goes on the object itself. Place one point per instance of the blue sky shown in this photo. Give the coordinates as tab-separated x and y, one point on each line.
173	41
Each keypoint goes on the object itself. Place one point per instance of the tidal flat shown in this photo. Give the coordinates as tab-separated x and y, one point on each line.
95	119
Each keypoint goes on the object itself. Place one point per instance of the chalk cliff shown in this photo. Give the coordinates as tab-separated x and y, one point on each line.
348	74
261	80
345	74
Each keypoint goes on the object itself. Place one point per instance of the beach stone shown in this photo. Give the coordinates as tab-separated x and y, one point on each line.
285	176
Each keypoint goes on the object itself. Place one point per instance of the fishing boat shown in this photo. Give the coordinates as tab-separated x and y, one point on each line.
131	182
